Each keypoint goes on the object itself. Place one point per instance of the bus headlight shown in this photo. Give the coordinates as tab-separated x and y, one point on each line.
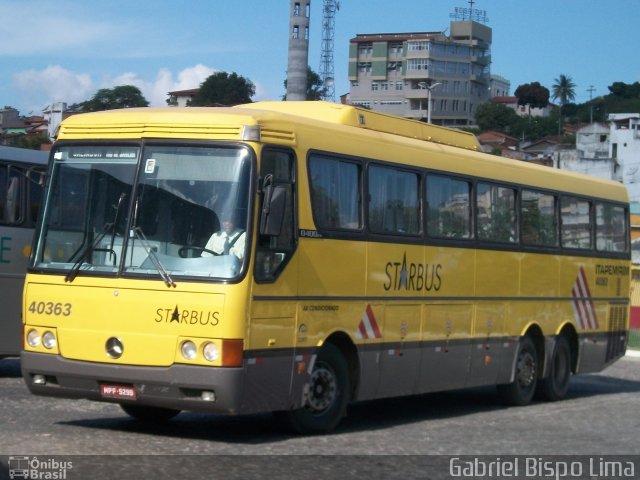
33	338
188	350
49	340
211	351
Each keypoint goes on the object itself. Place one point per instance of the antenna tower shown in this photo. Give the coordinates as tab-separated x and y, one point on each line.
329	9
469	13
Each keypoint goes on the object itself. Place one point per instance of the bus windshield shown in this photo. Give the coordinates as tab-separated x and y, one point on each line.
162	210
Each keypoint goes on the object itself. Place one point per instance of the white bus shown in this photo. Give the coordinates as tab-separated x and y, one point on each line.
22	174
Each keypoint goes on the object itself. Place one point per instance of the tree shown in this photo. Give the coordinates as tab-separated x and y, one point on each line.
315	86
563	90
495	116
224	89
532	95
123	96
625	90
32	142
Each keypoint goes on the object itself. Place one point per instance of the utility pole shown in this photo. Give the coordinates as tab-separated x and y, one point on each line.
428	88
590	90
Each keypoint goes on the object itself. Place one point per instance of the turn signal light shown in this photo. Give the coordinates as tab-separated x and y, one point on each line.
232	351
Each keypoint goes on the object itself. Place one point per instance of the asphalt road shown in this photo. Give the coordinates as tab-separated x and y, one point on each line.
396	438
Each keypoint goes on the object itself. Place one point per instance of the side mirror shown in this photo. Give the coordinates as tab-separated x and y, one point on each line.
274	203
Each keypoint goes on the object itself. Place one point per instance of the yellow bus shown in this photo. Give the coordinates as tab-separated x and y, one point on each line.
298	256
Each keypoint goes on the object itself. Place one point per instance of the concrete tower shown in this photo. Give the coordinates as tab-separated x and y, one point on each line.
298	50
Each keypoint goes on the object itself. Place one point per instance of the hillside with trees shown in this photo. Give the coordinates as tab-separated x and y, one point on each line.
622	98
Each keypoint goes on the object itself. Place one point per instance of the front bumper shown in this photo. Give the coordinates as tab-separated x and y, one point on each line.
178	386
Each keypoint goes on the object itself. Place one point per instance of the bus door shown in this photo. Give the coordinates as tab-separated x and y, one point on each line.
270	346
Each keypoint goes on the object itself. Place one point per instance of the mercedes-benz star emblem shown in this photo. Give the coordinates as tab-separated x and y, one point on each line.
114	347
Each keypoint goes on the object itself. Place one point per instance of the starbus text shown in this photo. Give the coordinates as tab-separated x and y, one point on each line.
416	277
190	317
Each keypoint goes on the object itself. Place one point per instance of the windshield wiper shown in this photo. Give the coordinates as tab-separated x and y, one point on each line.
73	272
154	257
84	253
116	218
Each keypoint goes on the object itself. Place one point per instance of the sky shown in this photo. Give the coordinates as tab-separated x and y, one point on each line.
65	50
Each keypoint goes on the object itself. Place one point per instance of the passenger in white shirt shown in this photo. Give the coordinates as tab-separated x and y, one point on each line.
229	240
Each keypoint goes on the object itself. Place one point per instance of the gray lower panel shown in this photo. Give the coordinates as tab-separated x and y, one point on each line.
421	367
597	350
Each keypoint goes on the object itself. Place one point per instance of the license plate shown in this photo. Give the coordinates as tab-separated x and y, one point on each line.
118	391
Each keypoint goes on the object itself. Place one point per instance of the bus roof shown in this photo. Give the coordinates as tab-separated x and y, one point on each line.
151	122
349	115
23	155
453	150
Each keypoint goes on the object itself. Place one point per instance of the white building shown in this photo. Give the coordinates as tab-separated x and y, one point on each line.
611	152
424	75
53	114
624	149
523	110
591	155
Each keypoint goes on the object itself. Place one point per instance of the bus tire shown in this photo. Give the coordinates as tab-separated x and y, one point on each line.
520	392
328	395
556	385
149	414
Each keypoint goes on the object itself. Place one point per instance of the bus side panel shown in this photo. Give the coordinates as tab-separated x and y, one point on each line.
598	292
400	358
446	333
15	247
490	350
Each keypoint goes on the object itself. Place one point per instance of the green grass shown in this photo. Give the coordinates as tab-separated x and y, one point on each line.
634	339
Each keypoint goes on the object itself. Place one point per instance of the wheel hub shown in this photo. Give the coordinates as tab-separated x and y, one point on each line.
323	389
526	369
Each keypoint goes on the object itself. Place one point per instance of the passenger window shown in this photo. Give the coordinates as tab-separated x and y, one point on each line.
394	201
611	228
496	213
448	207
576	223
539	219
335	193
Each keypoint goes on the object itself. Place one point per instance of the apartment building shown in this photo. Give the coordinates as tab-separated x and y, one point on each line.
398	73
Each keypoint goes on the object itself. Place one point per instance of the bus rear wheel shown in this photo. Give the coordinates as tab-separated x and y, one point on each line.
521	390
556	385
149	414
327	398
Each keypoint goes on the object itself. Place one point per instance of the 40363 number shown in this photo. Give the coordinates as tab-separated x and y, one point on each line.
50	308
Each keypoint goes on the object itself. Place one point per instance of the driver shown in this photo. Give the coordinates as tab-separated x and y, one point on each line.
229	240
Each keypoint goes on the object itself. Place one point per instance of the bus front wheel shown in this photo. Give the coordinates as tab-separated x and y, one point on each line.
149	414
327	396
521	390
